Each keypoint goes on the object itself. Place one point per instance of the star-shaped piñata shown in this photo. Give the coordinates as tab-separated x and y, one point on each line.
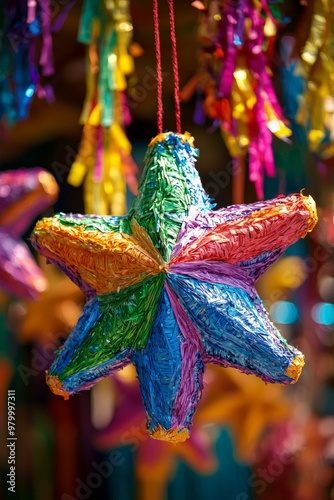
170	287
23	195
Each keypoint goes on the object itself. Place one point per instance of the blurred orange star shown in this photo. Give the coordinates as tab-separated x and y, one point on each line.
245	404
53	314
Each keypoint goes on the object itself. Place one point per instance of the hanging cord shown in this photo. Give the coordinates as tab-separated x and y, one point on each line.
175	66
159	67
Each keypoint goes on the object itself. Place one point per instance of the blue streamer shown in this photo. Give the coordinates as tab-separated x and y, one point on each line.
159	365
234	327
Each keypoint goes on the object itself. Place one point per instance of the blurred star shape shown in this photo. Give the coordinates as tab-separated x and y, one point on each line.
155	460
246	405
23	195
53	314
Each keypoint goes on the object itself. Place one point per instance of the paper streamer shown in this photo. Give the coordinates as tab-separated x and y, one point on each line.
104	161
237	40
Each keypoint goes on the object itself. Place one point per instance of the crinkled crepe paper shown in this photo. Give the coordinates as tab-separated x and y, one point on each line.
104	158
237	40
154	460
170	287
23	195
54	313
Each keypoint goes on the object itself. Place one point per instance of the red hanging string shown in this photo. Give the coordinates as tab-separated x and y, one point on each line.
159	67
175	66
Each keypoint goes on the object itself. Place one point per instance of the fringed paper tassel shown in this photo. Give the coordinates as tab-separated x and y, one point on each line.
237	39
104	157
22	24
292	86
316	66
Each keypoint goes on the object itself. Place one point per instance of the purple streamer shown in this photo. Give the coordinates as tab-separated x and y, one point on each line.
46	58
190	389
198	222
212	271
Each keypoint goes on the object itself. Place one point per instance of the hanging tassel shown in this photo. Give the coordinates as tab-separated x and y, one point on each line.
104	160
237	37
316	67
22	25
